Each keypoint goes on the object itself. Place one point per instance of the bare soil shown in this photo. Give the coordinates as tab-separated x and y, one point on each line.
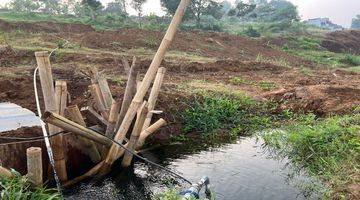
343	41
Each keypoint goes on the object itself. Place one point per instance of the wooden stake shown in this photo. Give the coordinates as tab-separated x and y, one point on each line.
71	126
114	112
43	62
149	77
141	115
148	131
5	172
88	147
154	95
130	91
34	165
97	96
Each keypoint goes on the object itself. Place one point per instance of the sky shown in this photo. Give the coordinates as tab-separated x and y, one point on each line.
339	11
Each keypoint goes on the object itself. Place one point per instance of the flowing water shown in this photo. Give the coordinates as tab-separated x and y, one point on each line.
243	170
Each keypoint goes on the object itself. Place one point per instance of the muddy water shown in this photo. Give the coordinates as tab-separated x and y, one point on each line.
243	170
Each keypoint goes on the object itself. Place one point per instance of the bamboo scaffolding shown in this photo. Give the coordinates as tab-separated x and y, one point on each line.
105	92
67	125
87	146
43	62
149	77
34	166
141	116
130	89
154	95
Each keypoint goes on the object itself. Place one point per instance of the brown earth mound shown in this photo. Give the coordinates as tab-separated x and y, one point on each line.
44	27
343	41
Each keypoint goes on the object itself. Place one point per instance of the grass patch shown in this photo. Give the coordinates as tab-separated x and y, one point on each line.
19	187
211	113
264	85
326	148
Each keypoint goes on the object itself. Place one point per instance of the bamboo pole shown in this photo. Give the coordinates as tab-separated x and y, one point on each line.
130	90
5	172
92	116
34	165
154	95
43	62
141	116
97	96
114	112
71	126
149	77
148	131
88	147
106	93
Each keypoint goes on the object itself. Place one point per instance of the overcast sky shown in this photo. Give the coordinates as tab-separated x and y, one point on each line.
339	11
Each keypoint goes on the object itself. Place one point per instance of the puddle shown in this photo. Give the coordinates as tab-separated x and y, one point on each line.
13	117
237	171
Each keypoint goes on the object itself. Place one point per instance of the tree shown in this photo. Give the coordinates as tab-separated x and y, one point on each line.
51	6
114	8
241	9
196	9
355	24
138	6
25	5
92	8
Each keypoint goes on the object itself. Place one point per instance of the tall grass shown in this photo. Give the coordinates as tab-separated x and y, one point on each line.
327	148
19	188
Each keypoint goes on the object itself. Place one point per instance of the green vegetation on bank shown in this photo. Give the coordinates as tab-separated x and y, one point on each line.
326	148
19	188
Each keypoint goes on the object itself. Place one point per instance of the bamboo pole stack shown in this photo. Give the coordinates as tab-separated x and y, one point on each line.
114	118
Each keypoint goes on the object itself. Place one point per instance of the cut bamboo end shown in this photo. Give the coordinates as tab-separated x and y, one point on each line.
5	172
34	166
114	112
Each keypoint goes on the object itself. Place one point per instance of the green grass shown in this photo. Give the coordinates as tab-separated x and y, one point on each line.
19	188
264	85
326	148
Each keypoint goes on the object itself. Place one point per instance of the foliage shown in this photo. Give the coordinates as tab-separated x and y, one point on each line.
214	112
351	60
329	148
241	9
91	8
25	5
196	9
251	32
355	23
168	195
19	188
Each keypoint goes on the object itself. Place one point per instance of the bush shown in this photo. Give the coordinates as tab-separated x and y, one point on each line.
251	32
351	60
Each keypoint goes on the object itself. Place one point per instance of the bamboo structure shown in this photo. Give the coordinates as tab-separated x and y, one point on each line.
154	95
88	147
141	115
130	89
97	96
43	62
105	92
67	125
34	166
149	76
92	116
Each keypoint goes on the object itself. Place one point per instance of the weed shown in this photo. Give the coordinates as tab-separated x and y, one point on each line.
329	148
18	187
266	85
151	42
351	60
240	81
305	70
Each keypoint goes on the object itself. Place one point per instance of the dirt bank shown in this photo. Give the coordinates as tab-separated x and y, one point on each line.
347	41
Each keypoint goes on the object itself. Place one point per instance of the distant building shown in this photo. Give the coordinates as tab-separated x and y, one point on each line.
324	23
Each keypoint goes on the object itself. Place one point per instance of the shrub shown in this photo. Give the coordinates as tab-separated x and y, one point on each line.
351	60
251	32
